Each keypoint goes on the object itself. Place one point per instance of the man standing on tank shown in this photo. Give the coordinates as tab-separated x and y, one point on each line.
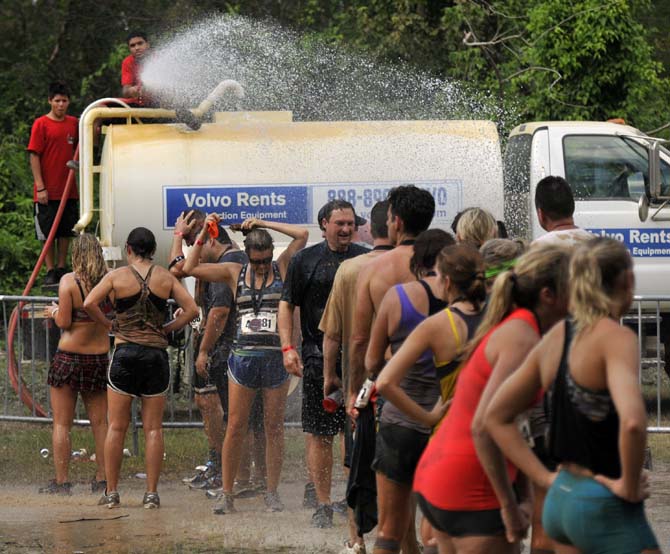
53	141
308	283
138	45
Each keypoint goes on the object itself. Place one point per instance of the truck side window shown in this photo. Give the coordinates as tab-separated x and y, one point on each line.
598	166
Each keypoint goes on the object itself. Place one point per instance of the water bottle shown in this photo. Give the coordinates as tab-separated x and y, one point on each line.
364	394
333	401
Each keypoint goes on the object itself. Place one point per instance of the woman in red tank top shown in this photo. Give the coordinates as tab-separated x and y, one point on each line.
462	482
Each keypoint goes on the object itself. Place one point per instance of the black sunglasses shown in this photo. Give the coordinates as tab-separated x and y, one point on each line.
261	261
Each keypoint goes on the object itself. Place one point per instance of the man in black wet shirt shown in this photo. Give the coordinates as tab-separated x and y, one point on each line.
308	283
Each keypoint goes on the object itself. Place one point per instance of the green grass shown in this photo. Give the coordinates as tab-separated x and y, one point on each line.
21	463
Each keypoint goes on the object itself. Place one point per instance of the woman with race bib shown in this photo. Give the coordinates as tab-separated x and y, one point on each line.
256	360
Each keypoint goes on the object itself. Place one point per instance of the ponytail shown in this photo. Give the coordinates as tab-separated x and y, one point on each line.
595	272
544	266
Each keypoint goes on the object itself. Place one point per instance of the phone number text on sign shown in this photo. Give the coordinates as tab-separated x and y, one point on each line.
367	197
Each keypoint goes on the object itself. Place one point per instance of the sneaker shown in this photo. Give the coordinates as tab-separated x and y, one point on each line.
340	507
60	271
273	503
51	278
151	500
98	486
323	517
213	494
355	549
224	504
309	500
111	500
202	473
244	489
52	487
213	482
200	482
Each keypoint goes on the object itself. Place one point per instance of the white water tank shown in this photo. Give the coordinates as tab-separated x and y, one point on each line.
265	165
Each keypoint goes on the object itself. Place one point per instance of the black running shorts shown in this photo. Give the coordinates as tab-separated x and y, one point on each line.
138	370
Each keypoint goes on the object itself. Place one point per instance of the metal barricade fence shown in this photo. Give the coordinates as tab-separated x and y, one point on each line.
36	338
34	342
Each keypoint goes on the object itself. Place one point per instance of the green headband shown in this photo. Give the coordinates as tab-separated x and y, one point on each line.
498	269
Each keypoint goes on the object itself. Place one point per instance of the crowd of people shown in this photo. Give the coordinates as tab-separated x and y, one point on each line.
506	389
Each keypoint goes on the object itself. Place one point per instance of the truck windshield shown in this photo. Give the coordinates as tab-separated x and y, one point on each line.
598	166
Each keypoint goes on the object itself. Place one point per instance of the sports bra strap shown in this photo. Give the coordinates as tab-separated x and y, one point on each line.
454	329
144	283
81	289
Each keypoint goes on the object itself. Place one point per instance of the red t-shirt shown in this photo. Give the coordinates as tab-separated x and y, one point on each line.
449	475
130	72
55	143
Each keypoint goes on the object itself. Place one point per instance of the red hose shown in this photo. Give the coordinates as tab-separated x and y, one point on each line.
12	369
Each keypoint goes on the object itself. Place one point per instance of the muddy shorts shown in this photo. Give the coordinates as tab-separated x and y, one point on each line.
482	523
138	370
82	372
46	213
257	370
397	452
315	420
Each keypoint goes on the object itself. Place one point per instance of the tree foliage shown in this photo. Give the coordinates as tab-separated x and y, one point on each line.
543	59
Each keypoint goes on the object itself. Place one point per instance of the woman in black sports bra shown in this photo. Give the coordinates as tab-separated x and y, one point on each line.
80	363
588	366
139	366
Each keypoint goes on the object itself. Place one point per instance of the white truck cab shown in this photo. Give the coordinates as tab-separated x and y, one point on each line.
615	172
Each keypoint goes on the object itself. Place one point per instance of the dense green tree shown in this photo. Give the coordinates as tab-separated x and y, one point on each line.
542	59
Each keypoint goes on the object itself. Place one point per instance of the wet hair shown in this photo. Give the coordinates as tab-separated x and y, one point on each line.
414	206
58	87
223	237
499	256
546	266
476	226
464	266
88	262
142	242
426	248
259	240
553	196
329	207
457	217
136	33
596	271
378	220
502	230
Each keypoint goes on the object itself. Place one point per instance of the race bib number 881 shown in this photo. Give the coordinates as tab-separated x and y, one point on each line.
261	322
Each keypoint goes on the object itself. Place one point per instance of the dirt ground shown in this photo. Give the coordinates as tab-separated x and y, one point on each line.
32	524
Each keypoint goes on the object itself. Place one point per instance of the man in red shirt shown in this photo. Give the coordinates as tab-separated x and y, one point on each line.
53	141
130	68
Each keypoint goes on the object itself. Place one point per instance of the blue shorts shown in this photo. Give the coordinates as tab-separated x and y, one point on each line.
581	512
257	370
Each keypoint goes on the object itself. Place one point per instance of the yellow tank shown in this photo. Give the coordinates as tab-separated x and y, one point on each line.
266	165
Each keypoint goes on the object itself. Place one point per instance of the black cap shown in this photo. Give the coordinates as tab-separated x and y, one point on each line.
360	221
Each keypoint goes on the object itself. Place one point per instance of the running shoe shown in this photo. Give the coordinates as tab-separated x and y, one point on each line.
213	482
224	504
52	487
244	489
98	486
111	500
355	549
213	494
340	507
309	500
273	503
322	518
202	473
151	500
